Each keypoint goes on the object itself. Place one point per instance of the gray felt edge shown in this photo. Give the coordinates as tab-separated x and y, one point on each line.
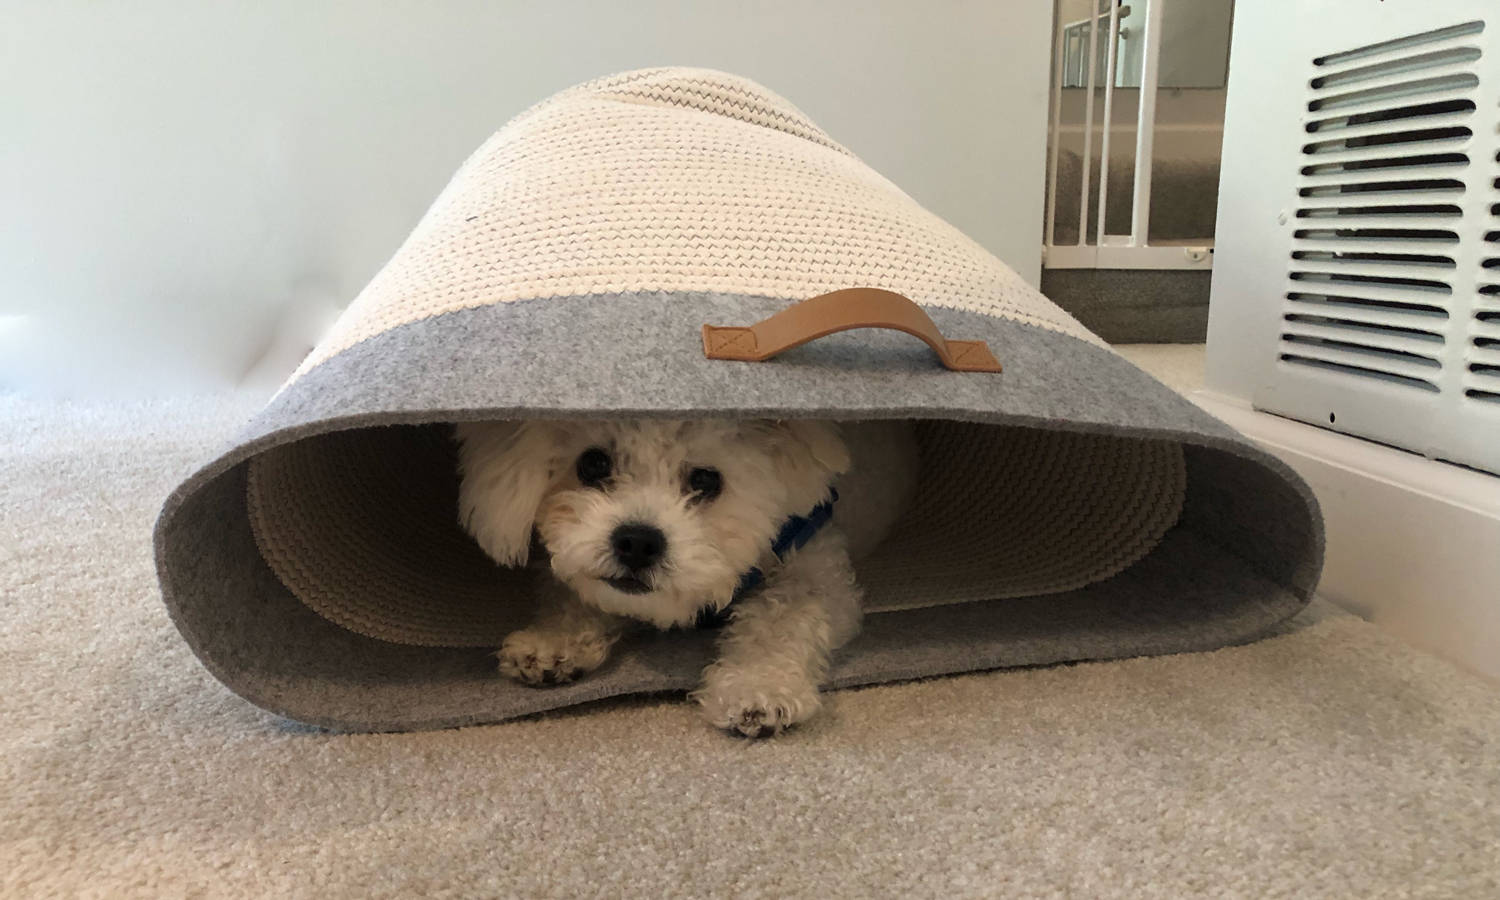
609	356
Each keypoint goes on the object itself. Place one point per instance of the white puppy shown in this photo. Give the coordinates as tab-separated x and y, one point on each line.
661	522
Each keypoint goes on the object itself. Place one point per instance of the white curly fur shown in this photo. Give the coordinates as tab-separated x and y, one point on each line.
520	477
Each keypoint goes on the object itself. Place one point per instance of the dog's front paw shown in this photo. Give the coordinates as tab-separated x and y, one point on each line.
540	657
755	705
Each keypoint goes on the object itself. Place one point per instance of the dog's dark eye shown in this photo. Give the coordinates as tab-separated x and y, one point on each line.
705	484
594	466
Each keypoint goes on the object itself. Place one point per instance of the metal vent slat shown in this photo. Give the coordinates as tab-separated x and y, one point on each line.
1354	353
1427	141
1356	191
1373	207
1388	257
1352	304
1393	222
1344	344
1411	115
1371	293
1400	89
1378	335
1349	245
1483	330
1436	62
1389	164
1411	133
1316	176
1452	66
1359	371
1358	315
1426	40
1342	235
1389	281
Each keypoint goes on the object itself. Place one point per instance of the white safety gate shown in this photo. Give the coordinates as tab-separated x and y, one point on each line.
1084	55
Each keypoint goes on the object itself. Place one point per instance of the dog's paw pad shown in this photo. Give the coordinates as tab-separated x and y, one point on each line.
756	713
533	658
531	669
753	724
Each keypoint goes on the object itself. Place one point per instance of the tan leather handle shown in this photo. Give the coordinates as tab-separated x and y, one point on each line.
841	311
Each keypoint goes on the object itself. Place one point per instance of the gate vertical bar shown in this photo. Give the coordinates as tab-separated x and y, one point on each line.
1145	126
1109	97
1084	178
1058	51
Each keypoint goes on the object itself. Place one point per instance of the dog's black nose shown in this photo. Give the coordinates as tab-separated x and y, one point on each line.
637	546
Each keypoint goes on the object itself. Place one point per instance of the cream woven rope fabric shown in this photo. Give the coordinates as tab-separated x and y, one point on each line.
676	180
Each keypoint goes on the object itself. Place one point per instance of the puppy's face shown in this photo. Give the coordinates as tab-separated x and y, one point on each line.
649	519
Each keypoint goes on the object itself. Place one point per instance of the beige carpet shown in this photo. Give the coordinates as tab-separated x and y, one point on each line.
1330	761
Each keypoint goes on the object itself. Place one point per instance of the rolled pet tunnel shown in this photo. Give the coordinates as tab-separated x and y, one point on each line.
1066	507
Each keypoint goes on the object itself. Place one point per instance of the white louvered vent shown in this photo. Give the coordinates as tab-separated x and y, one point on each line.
1389	319
1382	174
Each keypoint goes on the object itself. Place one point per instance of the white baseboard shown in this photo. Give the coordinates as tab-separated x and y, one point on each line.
1413	544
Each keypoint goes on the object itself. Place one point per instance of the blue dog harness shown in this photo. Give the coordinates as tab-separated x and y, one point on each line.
795	532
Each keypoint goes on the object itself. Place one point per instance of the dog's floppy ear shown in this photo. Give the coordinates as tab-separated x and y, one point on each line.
505	469
807	455
823	442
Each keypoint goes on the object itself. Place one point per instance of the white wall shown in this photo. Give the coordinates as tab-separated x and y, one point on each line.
183	184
